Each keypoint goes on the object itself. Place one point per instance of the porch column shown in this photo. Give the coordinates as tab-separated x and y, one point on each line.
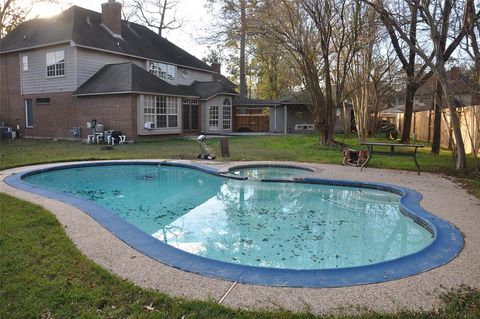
285	124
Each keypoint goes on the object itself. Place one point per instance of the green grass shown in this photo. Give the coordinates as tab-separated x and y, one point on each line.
301	148
43	275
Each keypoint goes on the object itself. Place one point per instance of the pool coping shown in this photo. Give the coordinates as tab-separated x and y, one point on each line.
447	244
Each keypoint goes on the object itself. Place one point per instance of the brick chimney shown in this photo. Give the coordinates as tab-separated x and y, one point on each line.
215	67
112	17
454	74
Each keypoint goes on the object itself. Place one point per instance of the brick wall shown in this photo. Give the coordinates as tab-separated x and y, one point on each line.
115	112
11	102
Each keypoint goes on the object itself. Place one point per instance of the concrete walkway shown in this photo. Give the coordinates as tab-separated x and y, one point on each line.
441	197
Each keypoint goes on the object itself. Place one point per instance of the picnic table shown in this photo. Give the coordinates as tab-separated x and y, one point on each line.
392	152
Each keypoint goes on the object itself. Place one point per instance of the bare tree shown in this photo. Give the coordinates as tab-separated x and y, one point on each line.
157	14
472	25
436	16
339	27
231	29
321	37
383	77
13	13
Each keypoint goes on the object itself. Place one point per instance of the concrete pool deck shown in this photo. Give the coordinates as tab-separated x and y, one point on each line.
441	197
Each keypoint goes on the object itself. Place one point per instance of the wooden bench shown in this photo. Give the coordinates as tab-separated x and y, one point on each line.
392	152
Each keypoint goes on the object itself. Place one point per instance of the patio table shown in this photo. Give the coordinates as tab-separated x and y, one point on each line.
392	151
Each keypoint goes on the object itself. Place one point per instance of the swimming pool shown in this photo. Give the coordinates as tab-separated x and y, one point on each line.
256	232
270	171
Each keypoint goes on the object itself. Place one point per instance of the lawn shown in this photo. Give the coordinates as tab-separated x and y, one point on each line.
43	275
301	148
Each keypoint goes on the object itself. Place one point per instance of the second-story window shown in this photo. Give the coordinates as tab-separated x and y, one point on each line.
24	62
56	63
162	70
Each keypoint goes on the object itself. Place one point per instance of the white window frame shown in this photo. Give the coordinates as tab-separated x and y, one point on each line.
160	109
226	121
162	70
25	103
57	60
213	117
24	63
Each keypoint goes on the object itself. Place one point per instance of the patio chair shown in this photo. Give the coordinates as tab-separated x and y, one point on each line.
354	157
116	135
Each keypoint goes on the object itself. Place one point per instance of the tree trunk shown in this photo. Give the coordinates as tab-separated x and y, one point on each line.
162	16
407	117
243	80
437	119
461	158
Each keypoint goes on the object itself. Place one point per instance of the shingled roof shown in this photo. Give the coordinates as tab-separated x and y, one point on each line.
207	90
83	27
127	78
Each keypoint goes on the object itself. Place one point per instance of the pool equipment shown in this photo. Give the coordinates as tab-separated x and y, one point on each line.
206	151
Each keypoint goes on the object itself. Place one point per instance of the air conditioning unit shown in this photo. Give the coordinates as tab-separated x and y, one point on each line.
304	127
149	125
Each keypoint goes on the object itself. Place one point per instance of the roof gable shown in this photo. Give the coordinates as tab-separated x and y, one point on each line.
127	78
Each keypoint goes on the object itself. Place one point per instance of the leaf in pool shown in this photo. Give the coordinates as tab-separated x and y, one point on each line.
265	239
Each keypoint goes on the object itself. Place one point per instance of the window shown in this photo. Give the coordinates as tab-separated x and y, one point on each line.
56	63
227	114
161	110
24	62
42	100
172	112
28	113
162	70
213	118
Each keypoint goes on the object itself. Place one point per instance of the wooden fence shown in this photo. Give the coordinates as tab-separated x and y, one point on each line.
470	126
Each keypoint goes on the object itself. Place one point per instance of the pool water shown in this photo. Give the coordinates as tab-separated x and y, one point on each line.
280	225
269	172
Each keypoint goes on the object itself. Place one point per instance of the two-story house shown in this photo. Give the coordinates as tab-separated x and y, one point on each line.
61	72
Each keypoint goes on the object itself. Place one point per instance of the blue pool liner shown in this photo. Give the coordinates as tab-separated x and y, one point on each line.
446	245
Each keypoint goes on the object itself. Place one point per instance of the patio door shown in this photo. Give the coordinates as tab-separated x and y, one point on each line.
191	115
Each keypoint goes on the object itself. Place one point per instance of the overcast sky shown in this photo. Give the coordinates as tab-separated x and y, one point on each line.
192	12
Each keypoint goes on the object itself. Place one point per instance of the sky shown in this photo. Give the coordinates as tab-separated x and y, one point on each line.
193	12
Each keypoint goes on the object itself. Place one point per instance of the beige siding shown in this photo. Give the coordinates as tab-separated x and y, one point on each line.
193	75
90	61
35	79
216	101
